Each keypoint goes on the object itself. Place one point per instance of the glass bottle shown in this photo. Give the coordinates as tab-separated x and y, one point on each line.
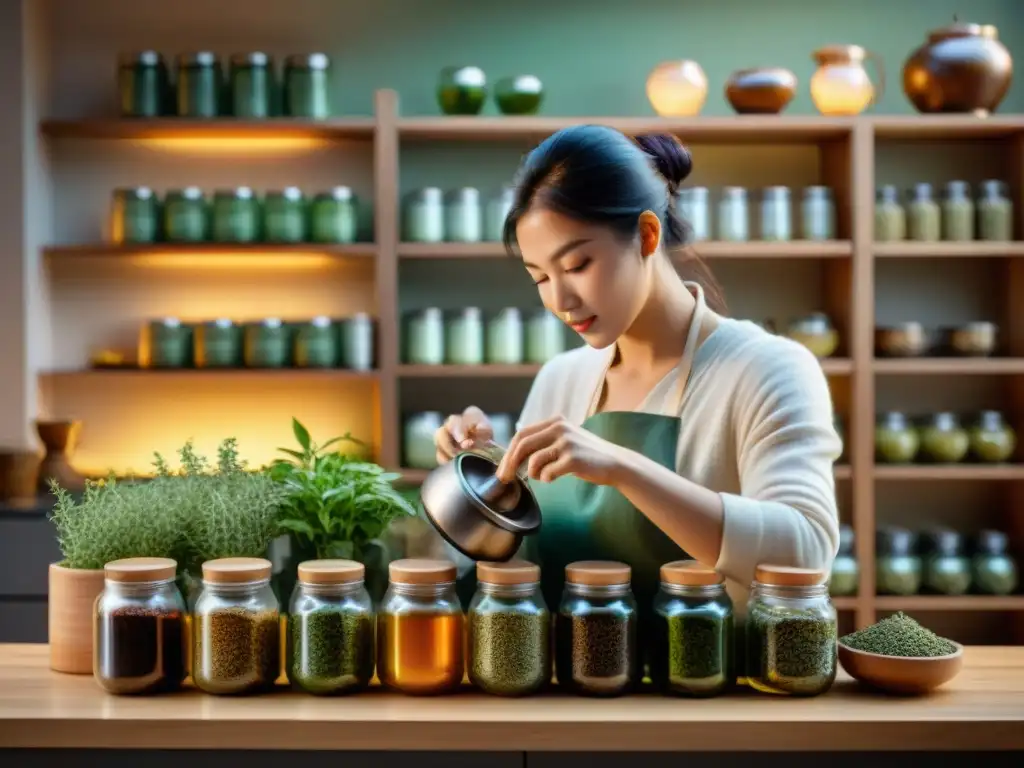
890	218
898	566
357	346
545	337
199	84
134	216
284	216
792	632
330	628
896	440
267	344
170	343
958	212
139	638
505	337
463	217
316	344
508	630
993	441
923	214
335	216
776	214
692	635
464	338
425	216
418	448
993	570
236	216
252	85
995	211
307	86
596	630
946	570
733	219
218	344
420	645
236	628
943	440
495	213
186	216
818	214
425	338
695	209
844	581
143	84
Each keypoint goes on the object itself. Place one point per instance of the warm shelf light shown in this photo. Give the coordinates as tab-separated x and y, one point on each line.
250	261
235	145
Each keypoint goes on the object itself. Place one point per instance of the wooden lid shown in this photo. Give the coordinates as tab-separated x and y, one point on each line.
786	576
598	573
236	570
331	571
512	572
690	573
140	569
421	571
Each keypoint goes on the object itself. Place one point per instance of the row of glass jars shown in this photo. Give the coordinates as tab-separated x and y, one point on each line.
199	87
431	215
465	337
941	438
960	215
776	219
269	343
937	561
237	215
418	429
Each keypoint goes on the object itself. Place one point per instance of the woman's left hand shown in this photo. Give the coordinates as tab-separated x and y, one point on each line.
556	447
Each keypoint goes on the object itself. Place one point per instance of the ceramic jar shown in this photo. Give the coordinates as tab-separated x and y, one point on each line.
186	216
841	86
943	440
993	441
896	440
267	344
495	213
170	343
694	206
924	217
958	212
424	220
776	214
236	216
418	439
817	214
677	88
334	216
505	337
357	342
890	218
815	332
733	218
284	216
316	344
218	344
995	211
519	95
761	90
425	337
462	90
464	337
545	337
463	216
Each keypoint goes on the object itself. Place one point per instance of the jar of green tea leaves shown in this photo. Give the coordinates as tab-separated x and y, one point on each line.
464	337
995	211
463	218
890	218
356	345
267	344
252	85
330	628
943	440
692	632
170	343
424	219
897	565
958	212
896	440
186	216
818	214
199	84
923	214
993	570
219	344
425	337
236	216
993	441
946	570
307	86
316	344
334	216
844	580
545	337
792	635
508	630
134	216
418	448
284	216
143	84
505	337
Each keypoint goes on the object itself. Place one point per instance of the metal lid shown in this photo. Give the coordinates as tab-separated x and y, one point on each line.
288	193
188	193
991	543
887	193
139	193
818	191
920	192
992	189
894	541
321	321
251	59
511	507
958	190
145	58
238	193
944	542
337	193
308	61
197	59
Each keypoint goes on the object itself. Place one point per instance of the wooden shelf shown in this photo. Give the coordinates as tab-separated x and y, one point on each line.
796	249
978	249
170	250
339	374
219	128
468	371
960	472
949	366
941	603
837	366
941	127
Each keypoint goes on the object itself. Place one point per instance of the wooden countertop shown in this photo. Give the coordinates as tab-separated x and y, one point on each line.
983	709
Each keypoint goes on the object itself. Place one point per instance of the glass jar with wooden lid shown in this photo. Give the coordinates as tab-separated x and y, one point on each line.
420	628
596	630
139	627
236	629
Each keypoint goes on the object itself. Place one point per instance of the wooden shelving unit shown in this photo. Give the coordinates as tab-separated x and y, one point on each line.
847	152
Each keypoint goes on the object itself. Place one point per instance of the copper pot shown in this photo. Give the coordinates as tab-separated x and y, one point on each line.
962	68
760	91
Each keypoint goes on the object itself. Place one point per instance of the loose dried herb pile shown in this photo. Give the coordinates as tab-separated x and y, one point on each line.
899	635
790	650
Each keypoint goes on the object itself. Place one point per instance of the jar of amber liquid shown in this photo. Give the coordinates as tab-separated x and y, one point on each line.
420	628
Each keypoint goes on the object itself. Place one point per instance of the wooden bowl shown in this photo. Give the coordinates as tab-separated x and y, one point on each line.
898	674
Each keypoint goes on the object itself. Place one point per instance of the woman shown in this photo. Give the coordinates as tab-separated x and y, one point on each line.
674	431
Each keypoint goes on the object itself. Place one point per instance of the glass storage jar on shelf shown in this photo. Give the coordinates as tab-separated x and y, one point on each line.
897	565
505	337
924	217
464	337
267	344
139	637
995	211
844	580
958	212
418	447
694	207
335	216
134	216
943	440
186	216
495	213
356	345
509	630
169	343
252	85
316	344
993	570
733	217
596	651
776	214
817	214
236	216
284	216
890	218
330	628
992	439
143	84
463	218
545	337
792	632
425	337
218	344
692	635
307	86
945	569
424	219
236	628
896	440
420	630
200	84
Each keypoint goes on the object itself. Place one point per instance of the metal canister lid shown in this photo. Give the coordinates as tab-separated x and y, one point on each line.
251	59
143	58
197	59
308	61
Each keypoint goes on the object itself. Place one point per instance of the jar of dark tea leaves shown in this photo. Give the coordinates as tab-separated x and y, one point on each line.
139	627
792	637
236	628
509	630
330	628
692	636
946	570
596	630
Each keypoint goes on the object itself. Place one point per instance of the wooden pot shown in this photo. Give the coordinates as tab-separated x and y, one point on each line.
73	593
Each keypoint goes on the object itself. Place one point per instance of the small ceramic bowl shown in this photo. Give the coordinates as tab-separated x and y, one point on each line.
899	674
902	340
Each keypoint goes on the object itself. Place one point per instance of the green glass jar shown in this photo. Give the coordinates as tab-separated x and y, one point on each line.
464	337
200	84
186	216
236	216
958	212
252	85
424	216
463	216
896	440
143	84
219	344
462	90
335	216
692	633
890	218
923	214
993	570
946	570
425	337
307	86
993	441
284	216
267	344
545	337
357	342
134	216
995	211
844	580
316	344
519	95
943	440
897	565
170	343
505	337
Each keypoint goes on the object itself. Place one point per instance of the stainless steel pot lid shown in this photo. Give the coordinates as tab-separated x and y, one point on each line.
513	508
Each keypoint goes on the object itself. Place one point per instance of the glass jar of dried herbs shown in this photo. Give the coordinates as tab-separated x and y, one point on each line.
236	628
285	216
218	344
897	565
236	216
143	84
791	628
139	627
596	630
844	579
307	86
994	570
134	216
946	569
252	84
200	84
186	216
692	634
267	344
316	343
330	628
509	630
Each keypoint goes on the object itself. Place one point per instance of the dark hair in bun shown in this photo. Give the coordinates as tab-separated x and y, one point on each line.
599	175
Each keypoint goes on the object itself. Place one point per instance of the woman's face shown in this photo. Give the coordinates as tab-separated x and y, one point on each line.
588	276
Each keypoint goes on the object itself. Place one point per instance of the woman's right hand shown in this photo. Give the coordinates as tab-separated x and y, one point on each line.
462	431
